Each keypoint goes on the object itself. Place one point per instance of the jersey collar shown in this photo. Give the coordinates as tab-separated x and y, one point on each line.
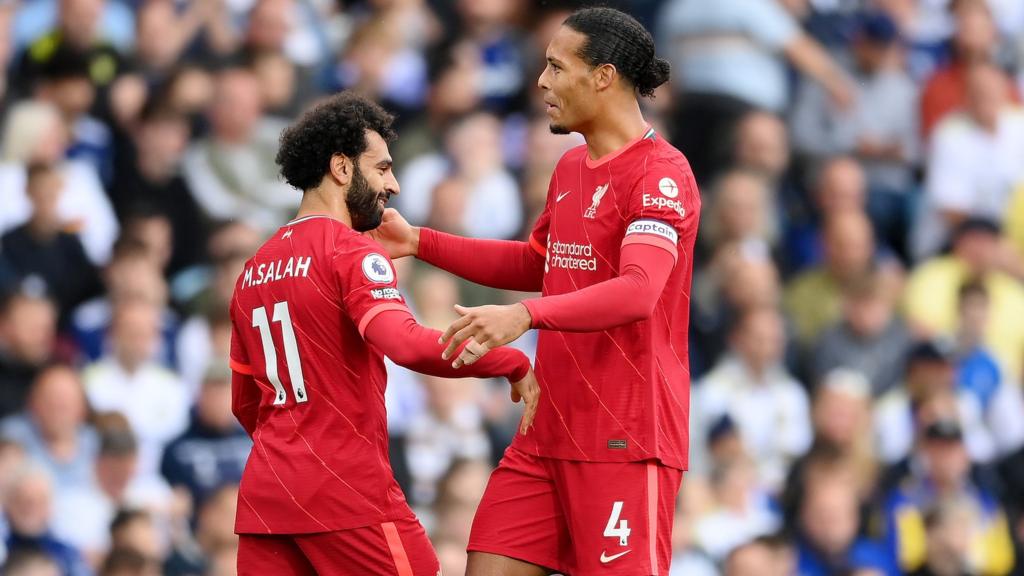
648	134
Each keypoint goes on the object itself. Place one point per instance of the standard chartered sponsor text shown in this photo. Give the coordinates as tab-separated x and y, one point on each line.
572	256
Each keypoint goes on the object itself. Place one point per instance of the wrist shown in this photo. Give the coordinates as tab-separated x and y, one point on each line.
524	316
414	243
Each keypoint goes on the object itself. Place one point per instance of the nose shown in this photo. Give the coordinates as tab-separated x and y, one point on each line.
542	80
391	184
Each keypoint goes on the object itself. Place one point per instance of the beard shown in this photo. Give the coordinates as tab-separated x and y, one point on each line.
558	129
363	202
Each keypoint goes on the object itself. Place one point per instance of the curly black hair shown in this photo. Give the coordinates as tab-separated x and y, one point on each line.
336	125
616	38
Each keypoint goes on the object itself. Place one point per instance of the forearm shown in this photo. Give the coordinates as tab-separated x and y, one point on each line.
628	298
503	264
397	334
811	59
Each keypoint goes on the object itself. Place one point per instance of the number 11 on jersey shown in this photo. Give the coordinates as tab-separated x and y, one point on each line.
291	352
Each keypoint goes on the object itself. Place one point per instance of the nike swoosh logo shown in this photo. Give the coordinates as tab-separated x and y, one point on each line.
562	195
607	559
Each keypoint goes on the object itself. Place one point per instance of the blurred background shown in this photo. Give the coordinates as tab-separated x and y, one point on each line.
857	322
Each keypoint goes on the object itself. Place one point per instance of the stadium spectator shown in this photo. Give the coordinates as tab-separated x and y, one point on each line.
43	248
28	331
53	430
147	176
764	556
972	160
740	211
133	275
213	450
880	128
869	337
127	380
28	509
79	28
813	299
34	133
941	470
466	190
730	58
931	298
231	172
742	510
975	40
828	542
843	434
30	563
766	403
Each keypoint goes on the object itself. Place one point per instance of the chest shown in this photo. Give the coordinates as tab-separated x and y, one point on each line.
588	221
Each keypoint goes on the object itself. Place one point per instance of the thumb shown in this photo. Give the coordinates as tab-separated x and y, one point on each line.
462	310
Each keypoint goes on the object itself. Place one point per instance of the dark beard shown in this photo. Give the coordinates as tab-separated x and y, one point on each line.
559	129
361	201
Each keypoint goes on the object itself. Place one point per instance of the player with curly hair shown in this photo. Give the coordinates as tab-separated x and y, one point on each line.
313	314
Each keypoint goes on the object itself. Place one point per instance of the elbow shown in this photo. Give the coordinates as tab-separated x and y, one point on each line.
641	308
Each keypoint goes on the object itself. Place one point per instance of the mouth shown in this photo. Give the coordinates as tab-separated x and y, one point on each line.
382	200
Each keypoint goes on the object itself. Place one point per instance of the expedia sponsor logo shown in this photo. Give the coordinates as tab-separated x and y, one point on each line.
571	256
662	202
654	228
385	294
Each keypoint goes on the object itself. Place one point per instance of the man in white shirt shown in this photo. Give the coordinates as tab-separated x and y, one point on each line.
153	399
751	385
975	160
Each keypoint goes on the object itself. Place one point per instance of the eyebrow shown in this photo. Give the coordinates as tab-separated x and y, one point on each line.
553	60
385	163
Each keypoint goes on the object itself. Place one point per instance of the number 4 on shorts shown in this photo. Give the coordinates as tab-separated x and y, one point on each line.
621	531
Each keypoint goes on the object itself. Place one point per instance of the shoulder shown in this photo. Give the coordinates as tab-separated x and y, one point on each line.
953	129
571	158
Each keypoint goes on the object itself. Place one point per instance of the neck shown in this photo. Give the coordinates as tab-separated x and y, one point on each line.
41	230
321	201
619	124
61	446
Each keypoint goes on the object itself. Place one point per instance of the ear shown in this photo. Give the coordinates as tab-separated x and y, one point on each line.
341	168
604	76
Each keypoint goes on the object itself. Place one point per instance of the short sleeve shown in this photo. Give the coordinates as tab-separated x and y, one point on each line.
663	207
368	283
239	358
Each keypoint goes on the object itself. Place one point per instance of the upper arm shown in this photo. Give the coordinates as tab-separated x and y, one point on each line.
663	207
367	282
239	357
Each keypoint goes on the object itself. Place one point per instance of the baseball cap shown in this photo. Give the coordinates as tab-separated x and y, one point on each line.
944	429
977	224
932	350
878	27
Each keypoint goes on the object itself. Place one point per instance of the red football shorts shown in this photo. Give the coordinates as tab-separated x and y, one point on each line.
579	518
399	548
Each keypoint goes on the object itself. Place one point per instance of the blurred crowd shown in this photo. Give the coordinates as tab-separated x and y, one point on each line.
857	322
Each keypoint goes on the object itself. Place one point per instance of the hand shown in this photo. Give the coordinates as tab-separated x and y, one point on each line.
527	390
485	327
396	235
840	90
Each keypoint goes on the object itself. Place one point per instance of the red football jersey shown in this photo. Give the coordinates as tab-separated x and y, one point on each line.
621	394
319	460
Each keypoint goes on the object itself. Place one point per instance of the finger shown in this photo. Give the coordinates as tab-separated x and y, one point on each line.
462	310
514	395
453	328
457	340
471	356
528	413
